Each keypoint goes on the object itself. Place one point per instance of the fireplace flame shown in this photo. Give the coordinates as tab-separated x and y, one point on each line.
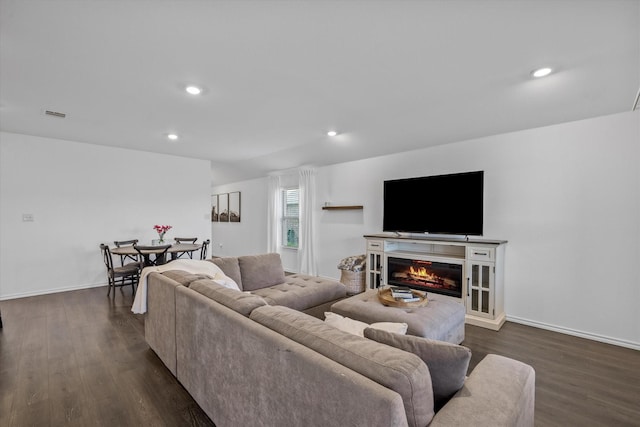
422	274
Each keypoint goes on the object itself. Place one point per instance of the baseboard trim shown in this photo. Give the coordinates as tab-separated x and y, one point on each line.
574	332
49	291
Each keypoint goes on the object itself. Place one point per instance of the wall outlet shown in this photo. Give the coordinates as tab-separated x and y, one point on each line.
27	218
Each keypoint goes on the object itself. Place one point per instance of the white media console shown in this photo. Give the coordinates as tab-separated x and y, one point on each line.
481	262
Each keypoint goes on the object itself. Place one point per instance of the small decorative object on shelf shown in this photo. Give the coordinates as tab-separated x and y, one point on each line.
161	229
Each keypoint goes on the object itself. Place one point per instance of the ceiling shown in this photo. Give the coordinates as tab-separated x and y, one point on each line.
389	76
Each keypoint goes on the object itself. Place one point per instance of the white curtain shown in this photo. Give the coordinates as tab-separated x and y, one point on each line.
306	243
273	214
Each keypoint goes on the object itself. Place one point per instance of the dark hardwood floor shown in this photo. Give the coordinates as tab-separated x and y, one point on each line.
79	359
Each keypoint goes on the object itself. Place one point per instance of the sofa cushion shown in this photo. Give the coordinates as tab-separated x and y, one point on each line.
448	363
183	277
241	302
398	370
260	271
230	267
357	327
300	292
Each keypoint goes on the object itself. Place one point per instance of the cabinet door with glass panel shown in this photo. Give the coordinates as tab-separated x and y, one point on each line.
374	264
480	288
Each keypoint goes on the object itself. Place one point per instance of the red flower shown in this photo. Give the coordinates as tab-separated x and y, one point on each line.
161	229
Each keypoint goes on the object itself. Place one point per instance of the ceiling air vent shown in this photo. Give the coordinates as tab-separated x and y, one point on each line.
55	114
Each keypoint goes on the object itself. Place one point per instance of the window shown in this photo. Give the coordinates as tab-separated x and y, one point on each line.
290	217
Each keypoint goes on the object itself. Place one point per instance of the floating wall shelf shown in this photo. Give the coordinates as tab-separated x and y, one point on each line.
336	208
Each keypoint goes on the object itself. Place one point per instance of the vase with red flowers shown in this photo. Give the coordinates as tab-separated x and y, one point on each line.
161	229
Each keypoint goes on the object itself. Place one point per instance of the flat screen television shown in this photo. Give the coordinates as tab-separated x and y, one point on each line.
439	204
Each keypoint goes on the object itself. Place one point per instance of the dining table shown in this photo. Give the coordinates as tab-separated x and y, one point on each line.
173	251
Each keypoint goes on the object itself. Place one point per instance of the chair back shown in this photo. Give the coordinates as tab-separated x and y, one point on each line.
106	257
203	250
119	276
125	258
187	241
120	243
191	240
159	253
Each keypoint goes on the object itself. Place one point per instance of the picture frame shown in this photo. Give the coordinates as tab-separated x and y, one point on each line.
223	207
214	208
234	206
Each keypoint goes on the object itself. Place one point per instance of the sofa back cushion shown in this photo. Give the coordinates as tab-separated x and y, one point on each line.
184	278
241	302
395	369
260	271
448	363
230	267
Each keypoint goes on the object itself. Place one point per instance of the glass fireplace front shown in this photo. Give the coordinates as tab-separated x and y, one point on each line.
431	276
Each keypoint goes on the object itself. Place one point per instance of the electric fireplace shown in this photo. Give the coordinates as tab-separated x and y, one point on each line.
431	276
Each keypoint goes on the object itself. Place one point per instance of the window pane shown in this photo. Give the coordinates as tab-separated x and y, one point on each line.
290	219
290	238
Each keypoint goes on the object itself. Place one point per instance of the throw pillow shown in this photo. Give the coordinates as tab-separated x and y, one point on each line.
448	363
357	327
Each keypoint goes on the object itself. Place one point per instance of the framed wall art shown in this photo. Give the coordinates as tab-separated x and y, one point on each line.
223	207
234	206
214	208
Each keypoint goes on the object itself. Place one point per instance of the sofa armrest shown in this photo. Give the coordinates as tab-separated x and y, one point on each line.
499	392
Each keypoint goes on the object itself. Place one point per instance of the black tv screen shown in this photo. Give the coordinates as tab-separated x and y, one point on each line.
440	204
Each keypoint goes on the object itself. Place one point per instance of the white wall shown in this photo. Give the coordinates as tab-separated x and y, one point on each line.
566	197
81	195
248	236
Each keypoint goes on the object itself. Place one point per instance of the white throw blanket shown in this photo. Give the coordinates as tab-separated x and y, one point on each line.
189	265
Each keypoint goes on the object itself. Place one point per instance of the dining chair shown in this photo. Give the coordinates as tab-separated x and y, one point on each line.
159	254
188	240
128	274
191	240
127	259
203	250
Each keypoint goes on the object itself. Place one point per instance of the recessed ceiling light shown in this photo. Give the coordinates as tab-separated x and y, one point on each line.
541	72
332	133
172	136
193	90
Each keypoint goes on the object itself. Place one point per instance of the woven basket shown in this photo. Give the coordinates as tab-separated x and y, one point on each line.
354	281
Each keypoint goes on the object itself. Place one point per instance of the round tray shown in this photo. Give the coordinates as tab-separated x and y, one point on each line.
384	295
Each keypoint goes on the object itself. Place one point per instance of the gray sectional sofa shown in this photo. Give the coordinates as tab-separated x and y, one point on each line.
258	359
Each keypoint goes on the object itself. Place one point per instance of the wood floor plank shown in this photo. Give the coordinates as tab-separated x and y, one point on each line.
79	358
